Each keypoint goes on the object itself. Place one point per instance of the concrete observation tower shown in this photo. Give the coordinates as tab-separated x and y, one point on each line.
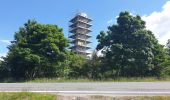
79	30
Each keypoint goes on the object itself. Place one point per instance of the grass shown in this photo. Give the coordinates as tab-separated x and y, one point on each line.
98	97
41	96
132	79
26	96
60	80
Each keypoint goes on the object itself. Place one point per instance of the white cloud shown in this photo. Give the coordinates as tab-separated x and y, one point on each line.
5	41
2	55
110	21
159	23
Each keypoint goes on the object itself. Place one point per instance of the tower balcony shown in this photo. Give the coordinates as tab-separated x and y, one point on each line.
79	51
81	47
80	23
79	29
81	17
74	36
80	40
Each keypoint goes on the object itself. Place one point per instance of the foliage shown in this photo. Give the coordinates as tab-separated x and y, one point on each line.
36	50
129	49
27	96
72	66
166	68
3	70
76	65
0	63
93	67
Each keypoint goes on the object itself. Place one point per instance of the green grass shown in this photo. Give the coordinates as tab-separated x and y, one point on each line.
42	96
26	96
132	79
60	80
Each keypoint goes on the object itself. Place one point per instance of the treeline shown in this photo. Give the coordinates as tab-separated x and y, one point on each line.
128	50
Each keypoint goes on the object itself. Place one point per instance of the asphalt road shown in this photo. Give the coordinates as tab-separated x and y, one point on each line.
105	88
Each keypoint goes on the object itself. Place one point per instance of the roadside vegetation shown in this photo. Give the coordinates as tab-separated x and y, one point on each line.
120	79
27	96
132	98
97	97
42	96
130	52
83	80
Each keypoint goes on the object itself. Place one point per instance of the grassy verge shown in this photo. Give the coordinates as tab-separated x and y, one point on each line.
40	96
59	80
148	98
130	98
27	96
132	79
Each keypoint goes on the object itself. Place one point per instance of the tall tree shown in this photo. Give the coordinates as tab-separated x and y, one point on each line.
93	67
36	50
129	49
166	63
3	70
0	62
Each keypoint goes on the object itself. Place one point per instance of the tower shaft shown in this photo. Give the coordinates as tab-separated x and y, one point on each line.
80	29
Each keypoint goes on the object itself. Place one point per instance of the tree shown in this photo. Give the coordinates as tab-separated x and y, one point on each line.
76	65
72	66
0	62
129	49
93	67
166	64
3	70
36	51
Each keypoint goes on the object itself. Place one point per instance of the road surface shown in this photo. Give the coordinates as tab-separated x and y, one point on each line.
105	88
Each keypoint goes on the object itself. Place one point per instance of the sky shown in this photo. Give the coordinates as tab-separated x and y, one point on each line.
14	13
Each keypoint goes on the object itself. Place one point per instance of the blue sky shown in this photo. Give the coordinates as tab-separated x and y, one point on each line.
14	13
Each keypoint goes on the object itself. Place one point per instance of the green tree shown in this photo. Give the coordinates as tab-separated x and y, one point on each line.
0	62
129	49
36	51
166	64
76	65
3	70
72	66
93	67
